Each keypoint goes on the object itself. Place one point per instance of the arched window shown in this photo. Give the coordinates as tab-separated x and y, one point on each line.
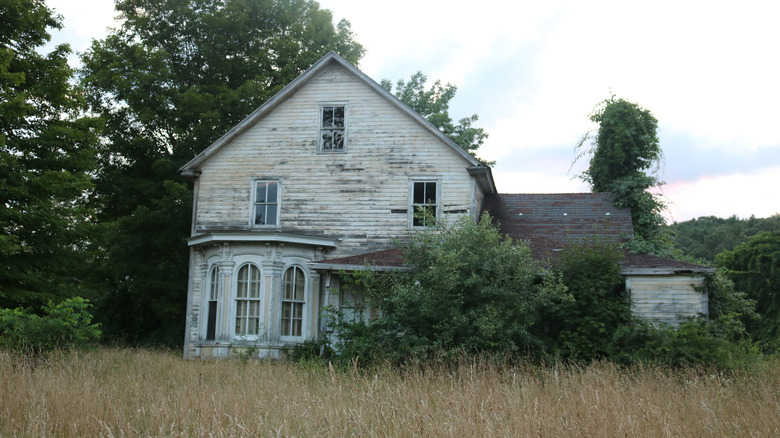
293	301
248	301
211	305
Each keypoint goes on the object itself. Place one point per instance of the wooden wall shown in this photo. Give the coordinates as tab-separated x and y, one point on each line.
664	297
360	196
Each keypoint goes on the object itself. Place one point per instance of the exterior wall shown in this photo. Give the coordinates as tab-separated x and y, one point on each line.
664	297
273	260
360	195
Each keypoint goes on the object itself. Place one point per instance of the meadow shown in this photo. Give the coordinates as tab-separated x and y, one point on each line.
129	392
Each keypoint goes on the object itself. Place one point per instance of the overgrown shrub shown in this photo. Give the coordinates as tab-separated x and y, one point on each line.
582	329
467	290
61	326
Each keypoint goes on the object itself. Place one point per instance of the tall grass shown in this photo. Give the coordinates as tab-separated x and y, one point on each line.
123	392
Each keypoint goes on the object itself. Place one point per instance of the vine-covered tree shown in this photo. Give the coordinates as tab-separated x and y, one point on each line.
175	77
625	158
46	155
433	104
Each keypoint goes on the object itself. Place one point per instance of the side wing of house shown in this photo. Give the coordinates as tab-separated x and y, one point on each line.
661	290
333	166
664	290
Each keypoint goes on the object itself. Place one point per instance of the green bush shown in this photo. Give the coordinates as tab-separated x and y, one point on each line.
582	329
467	290
65	325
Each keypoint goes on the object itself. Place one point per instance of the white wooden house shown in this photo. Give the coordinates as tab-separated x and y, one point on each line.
323	177
332	166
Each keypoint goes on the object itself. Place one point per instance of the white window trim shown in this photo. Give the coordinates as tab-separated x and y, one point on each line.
305	331
234	304
410	205
319	129
252	198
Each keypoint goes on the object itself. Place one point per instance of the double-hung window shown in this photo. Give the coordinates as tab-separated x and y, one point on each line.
293	301
425	204
266	203
333	122
248	301
211	305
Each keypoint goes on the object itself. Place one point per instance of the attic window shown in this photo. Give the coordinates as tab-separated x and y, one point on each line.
332	128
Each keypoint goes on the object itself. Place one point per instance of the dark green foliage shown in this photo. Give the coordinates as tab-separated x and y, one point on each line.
433	105
754	266
706	237
583	329
175	77
695	342
62	326
46	157
624	160
467	290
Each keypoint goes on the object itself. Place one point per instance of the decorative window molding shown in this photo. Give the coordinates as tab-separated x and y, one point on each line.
293	303
248	301
266	203
424	201
333	128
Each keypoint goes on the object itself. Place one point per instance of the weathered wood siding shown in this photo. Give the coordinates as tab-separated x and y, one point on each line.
664	297
360	195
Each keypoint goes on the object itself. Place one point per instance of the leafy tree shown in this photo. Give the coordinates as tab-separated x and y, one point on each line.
706	237
433	104
467	290
754	266
624	160
175	77
46	156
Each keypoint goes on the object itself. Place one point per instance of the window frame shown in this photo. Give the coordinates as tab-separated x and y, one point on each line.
412	204
211	313
257	300
254	204
302	303
321	129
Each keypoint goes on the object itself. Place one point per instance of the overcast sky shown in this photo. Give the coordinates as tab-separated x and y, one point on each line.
533	71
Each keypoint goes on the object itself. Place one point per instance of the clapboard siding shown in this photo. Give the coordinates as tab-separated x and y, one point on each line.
358	193
664	297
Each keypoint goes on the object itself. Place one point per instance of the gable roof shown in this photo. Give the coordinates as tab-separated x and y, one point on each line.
476	168
550	221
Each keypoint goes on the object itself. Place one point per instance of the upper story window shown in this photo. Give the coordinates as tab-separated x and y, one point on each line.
425	203
332	128
266	203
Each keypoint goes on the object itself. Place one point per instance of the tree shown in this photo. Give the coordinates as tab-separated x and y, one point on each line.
625	159
433	105
467	290
175	77
754	266
46	156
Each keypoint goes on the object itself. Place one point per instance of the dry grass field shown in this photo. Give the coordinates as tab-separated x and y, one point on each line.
123	392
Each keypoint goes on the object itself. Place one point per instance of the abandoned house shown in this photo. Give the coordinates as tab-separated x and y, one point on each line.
324	177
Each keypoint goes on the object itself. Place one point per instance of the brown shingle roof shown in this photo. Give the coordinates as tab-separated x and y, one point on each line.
550	221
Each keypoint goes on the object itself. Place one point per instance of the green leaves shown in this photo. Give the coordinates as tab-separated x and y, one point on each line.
625	158
468	290
46	156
